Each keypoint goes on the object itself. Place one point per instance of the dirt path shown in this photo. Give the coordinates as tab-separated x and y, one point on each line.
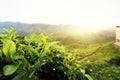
89	55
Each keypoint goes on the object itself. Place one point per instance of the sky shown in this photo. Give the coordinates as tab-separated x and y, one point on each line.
93	14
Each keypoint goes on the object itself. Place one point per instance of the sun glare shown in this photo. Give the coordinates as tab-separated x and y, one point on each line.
87	14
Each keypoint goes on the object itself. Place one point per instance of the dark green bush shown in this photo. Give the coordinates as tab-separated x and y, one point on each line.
115	61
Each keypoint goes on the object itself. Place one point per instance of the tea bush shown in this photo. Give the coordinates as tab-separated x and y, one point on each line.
34	58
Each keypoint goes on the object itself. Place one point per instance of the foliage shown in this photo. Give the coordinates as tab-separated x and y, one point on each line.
33	58
103	71
104	65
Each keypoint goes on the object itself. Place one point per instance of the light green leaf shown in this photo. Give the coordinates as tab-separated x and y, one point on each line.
6	30
10	69
83	71
34	51
2	35
43	38
88	77
9	48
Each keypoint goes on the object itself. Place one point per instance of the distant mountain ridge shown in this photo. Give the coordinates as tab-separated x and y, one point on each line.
18	26
49	29
24	27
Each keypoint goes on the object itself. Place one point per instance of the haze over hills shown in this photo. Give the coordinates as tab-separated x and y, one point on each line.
36	28
24	29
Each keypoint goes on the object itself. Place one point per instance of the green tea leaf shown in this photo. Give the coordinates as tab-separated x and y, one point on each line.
44	38
34	51
88	77
10	69
2	35
83	71
6	30
9	48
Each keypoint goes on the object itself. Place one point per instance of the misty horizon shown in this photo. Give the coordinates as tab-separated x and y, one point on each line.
91	14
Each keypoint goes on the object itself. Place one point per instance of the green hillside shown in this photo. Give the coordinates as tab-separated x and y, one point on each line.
104	64
96	54
58	57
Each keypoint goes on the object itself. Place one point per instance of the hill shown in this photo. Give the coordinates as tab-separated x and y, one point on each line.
68	29
61	32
